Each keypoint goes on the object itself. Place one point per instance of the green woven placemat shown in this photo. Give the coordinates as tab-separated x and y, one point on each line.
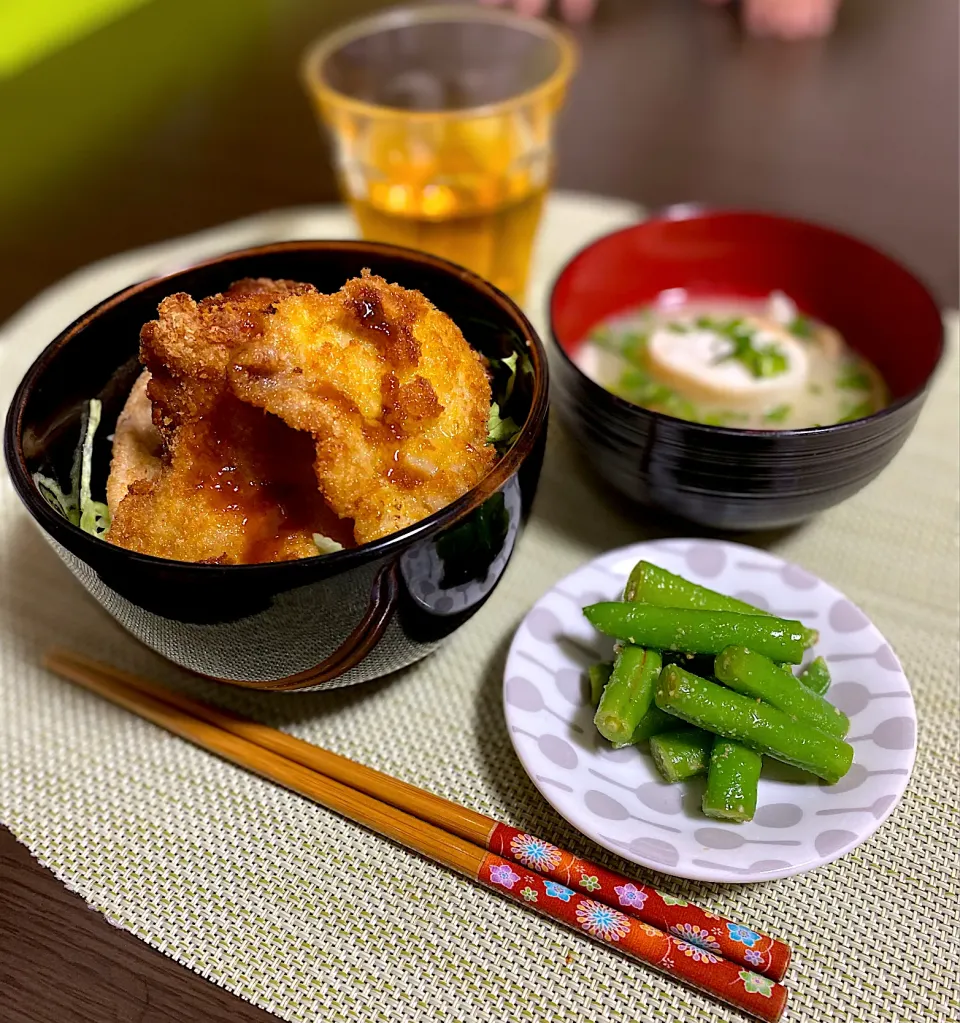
315	919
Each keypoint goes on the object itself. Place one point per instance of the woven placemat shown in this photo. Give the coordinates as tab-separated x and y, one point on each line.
312	918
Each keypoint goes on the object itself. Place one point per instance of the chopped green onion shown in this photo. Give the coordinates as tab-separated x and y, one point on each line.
638	386
761	360
800	326
852	378
764	361
680	408
634	346
859	411
778	414
604	337
724	418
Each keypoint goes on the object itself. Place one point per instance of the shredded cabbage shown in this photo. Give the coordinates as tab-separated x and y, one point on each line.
60	501
325	545
76	505
502	430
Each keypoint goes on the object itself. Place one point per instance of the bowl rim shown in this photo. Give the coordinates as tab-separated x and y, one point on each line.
697	211
76	539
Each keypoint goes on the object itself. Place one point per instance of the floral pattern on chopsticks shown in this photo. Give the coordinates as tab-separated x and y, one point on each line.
742	934
602	921
697	943
688	950
572	878
630	895
696	936
755	984
502	874
534	853
557	891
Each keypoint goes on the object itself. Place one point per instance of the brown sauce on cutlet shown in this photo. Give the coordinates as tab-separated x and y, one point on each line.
403	407
331	393
405	478
257	466
394	341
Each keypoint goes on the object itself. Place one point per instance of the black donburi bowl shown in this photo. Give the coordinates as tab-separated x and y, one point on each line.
316	622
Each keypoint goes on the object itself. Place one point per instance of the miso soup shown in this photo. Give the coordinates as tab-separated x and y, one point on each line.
754	365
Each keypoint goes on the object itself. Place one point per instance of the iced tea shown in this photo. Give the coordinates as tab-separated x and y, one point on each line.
442	122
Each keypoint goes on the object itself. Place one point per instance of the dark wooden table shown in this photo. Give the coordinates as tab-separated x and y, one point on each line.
184	114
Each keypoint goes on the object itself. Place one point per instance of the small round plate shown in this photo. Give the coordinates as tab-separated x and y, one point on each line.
617	798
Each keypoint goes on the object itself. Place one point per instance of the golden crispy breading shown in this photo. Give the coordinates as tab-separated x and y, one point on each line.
396	400
283	413
188	347
240	489
236	484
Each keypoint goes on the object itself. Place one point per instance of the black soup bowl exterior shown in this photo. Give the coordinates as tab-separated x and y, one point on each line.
315	622
734	479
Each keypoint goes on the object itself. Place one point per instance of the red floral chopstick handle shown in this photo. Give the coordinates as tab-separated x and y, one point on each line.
694	926
684	960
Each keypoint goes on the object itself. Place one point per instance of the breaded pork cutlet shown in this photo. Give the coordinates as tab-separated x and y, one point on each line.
282	413
235	485
396	400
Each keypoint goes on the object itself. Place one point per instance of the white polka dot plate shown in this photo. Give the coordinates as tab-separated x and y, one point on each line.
617	798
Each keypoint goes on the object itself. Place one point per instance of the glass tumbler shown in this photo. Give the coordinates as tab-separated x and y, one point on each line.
442	121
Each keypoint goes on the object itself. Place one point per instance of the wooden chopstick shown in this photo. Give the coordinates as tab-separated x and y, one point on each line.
767	956
691	957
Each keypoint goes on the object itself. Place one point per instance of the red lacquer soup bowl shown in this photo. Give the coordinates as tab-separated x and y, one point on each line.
742	479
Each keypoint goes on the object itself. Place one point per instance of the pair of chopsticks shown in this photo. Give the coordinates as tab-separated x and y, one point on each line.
733	963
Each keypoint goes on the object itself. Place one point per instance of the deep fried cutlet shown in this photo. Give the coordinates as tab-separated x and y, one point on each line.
188	348
396	400
282	413
235	484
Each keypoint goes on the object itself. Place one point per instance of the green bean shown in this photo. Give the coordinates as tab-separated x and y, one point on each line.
731	793
699	664
681	754
652	584
754	675
753	723
816	676
699	632
652	723
629	693
598	676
